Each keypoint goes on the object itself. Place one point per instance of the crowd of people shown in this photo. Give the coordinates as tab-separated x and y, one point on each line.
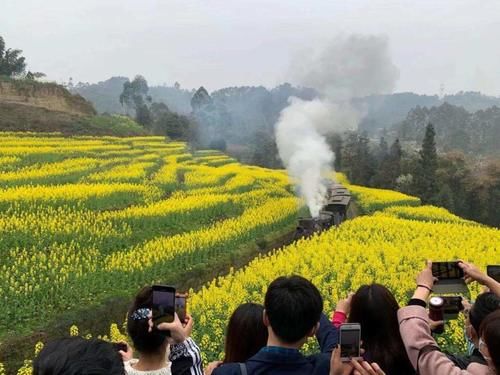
266	339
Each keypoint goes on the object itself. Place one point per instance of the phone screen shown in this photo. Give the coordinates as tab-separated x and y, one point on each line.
452	305
493	272
163	304
349	341
447	270
180	306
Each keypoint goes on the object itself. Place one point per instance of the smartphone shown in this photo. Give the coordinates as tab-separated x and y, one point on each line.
180	306
163	304
452	304
447	270
493	272
350	339
120	346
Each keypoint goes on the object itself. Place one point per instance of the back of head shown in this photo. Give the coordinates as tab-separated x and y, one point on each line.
78	356
137	324
485	304
246	333
490	333
375	309
293	306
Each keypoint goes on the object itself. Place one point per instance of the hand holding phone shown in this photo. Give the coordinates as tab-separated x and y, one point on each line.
163	308
350	341
178	332
181	306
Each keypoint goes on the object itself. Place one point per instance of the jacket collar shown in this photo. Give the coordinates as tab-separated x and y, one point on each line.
285	356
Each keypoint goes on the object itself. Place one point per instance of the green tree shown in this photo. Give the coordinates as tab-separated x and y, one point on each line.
389	165
11	61
383	150
265	151
166	122
426	185
33	76
135	96
358	160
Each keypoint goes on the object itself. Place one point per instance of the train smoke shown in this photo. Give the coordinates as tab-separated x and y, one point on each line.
353	66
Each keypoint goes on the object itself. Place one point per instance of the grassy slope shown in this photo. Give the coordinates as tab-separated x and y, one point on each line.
18	117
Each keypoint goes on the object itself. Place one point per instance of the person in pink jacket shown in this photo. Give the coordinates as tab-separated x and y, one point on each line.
423	350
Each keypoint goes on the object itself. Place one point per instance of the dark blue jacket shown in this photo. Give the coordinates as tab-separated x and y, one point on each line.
276	363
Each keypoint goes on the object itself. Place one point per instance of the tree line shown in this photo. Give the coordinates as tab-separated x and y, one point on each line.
469	188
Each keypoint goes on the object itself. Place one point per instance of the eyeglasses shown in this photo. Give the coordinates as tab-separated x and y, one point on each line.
481	344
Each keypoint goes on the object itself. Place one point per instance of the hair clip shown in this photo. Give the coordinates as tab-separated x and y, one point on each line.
142	313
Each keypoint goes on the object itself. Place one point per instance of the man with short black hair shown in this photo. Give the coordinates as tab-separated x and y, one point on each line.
293	313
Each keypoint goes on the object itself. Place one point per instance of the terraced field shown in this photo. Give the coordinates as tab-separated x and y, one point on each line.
111	214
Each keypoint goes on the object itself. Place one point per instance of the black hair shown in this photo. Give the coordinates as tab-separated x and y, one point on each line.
490	332
293	306
138	329
485	304
376	310
246	333
78	356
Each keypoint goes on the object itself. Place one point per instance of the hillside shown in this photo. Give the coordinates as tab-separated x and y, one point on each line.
27	105
49	96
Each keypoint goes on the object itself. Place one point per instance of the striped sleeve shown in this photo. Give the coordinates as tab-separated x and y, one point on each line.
186	358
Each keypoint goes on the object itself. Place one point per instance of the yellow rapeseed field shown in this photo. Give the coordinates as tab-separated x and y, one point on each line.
114	225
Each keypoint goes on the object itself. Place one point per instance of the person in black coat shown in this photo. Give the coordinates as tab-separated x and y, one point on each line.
293	314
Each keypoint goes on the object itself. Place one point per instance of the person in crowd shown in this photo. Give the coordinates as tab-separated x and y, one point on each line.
423	350
78	356
485	304
152	343
376	310
246	334
474	314
292	313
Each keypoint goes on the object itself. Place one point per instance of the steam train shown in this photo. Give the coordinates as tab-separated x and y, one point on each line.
332	214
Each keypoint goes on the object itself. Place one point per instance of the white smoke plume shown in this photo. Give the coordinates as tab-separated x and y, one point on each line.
348	67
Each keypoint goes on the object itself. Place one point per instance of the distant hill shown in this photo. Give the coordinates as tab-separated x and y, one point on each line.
383	111
28	105
246	115
105	95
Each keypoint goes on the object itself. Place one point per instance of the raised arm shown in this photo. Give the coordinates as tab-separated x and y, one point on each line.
184	353
327	335
472	273
414	326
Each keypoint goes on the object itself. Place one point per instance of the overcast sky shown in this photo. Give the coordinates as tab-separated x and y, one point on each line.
219	43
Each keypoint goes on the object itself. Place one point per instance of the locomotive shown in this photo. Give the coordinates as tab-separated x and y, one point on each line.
332	214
